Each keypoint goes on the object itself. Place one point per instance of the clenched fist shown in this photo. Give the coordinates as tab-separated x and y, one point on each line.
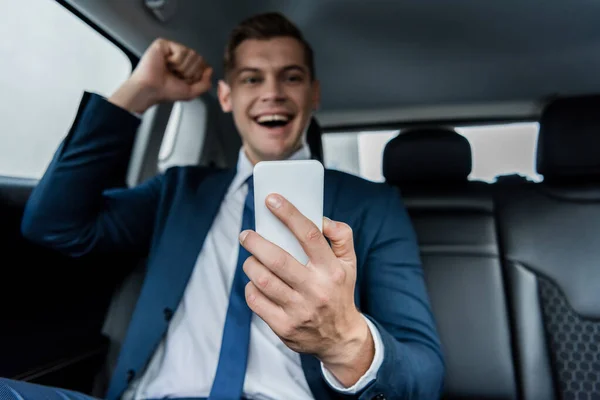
168	71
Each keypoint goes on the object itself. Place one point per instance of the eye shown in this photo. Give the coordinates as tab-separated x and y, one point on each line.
250	80
295	78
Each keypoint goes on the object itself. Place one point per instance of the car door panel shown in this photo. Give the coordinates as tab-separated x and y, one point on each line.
53	306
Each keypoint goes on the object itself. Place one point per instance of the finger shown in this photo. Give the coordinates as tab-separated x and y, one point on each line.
277	260
204	84
342	241
187	64
199	70
194	71
180	69
268	283
309	235
164	46
177	54
268	311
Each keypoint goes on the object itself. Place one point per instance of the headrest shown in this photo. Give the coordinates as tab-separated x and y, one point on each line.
427	155
569	138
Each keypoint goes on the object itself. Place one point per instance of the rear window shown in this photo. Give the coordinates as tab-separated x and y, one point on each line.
496	150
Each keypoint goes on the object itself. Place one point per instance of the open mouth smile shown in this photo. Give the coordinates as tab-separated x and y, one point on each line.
273	120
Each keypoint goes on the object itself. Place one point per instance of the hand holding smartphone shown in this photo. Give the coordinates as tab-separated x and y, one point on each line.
301	183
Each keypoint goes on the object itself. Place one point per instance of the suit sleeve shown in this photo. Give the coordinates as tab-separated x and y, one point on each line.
81	204
396	301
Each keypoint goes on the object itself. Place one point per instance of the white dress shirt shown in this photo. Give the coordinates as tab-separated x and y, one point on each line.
185	362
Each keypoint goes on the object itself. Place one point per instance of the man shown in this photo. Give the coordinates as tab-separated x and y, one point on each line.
249	320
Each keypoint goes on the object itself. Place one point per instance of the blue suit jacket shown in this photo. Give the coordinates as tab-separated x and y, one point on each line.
81	206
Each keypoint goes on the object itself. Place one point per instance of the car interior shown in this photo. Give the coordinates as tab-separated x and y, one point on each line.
511	263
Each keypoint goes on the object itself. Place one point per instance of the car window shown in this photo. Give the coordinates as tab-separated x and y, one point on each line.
48	57
496	150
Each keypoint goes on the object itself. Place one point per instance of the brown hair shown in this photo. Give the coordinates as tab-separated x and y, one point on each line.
263	27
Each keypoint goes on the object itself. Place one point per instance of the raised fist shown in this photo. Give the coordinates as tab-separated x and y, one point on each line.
168	71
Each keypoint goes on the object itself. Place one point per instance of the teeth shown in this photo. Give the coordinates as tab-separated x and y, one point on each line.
272	117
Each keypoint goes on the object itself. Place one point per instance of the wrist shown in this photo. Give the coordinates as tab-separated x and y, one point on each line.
134	97
352	357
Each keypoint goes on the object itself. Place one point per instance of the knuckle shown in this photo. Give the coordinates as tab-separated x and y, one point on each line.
250	296
179	55
323	299
177	59
263	282
346	229
307	317
338	276
287	329
190	60
313	234
279	262
247	266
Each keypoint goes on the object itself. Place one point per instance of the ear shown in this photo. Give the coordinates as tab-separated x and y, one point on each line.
316	94
224	93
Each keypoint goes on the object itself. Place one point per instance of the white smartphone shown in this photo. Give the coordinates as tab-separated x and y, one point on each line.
300	182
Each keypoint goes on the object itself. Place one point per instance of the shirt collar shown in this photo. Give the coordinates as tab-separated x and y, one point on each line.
245	167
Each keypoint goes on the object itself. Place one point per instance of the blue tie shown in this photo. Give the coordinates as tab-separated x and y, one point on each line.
231	370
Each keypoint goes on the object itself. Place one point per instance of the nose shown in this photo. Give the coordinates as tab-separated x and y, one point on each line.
273	91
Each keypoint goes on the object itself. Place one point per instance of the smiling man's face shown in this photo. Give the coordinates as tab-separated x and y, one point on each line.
271	95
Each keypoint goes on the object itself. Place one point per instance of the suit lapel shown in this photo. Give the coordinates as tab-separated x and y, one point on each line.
185	235
174	257
329	192
334	207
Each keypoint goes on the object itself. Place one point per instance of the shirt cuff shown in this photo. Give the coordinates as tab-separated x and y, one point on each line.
371	373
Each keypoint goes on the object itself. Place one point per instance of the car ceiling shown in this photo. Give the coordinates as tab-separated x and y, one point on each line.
386	60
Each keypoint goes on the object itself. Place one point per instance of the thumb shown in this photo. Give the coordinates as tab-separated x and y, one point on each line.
342	241
203	84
